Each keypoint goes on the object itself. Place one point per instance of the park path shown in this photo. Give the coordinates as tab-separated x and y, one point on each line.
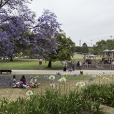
105	72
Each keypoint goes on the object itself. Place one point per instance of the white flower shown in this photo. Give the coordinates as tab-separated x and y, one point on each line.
51	77
80	84
62	80
94	76
98	74
104	78
107	78
52	85
29	92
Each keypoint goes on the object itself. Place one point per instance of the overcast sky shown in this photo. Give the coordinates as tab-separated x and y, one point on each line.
86	21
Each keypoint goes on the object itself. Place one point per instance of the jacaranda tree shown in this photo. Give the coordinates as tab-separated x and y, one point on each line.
46	32
17	22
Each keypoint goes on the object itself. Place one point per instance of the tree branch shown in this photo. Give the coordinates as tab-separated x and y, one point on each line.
2	4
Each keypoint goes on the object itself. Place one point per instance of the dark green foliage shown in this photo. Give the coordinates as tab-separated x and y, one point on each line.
64	51
52	102
102	45
84	48
100	93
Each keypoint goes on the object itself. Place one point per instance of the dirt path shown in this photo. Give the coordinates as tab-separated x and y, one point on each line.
107	109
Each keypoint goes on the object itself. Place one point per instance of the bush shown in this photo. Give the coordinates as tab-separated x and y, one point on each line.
101	93
52	102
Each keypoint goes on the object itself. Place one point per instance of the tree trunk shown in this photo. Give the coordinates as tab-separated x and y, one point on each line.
11	59
49	64
3	58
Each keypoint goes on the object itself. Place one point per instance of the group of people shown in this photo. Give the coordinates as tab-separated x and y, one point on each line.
22	82
19	84
74	65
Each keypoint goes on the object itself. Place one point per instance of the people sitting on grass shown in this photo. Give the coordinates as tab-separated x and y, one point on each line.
20	84
23	82
13	82
34	82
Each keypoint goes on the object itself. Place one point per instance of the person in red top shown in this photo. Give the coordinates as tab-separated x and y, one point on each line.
23	82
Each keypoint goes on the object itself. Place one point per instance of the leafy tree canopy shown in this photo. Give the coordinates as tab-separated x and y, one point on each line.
20	31
65	49
85	48
102	45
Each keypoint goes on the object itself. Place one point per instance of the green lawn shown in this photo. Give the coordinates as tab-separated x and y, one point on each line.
27	64
32	64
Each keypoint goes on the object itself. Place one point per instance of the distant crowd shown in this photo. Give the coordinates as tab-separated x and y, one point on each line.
74	65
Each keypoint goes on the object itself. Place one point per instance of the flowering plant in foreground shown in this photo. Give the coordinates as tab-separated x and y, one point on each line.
29	93
80	84
52	77
62	80
53	85
94	76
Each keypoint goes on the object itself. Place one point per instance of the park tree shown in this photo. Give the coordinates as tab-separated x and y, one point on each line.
99	47
78	49
64	51
102	45
17	21
16	39
91	50
85	48
45	31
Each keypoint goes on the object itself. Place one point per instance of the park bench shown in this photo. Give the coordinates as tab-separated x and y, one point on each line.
7	71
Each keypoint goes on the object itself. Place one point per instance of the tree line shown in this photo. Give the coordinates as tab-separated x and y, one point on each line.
97	48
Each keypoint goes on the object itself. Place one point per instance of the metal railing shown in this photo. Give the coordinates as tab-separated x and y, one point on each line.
97	66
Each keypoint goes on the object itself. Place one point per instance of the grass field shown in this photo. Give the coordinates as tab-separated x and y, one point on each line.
27	64
32	64
70	85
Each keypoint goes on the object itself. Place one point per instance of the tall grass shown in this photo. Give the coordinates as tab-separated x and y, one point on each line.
52	102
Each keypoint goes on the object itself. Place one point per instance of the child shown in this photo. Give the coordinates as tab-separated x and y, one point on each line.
13	82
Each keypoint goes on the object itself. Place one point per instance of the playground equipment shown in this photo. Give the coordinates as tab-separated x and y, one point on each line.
108	56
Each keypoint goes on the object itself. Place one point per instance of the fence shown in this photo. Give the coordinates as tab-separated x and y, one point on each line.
98	66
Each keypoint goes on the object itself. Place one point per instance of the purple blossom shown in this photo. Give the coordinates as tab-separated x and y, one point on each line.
58	74
70	70
19	31
90	79
74	75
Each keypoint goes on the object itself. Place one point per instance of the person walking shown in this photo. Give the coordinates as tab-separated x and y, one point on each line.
65	66
73	65
78	65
